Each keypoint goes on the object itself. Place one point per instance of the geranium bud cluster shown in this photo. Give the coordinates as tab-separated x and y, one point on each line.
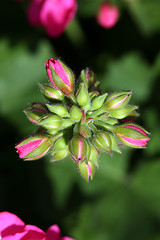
79	121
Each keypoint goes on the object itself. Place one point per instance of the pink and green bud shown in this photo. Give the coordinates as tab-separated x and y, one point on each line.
34	147
117	101
132	135
98	101
36	112
124	112
51	93
76	113
103	142
78	148
82	95
58	109
51	122
60	149
60	76
86	170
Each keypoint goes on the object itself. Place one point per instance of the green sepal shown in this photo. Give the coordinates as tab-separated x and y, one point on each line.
98	101
51	122
58	109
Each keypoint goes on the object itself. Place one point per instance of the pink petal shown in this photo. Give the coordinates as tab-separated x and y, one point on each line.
10	223
17	236
25	149
34	233
137	129
136	142
53	233
61	72
67	238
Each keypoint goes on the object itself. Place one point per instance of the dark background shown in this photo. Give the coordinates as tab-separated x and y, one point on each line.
123	200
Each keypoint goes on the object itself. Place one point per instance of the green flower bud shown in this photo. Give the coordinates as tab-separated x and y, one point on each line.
75	113
103	141
58	109
78	148
124	112
36	112
60	149
51	93
82	96
51	122
116	101
98	101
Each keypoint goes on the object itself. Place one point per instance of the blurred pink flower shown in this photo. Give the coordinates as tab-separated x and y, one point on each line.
13	228
107	15
53	15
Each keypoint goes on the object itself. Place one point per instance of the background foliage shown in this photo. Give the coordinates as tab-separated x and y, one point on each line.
123	200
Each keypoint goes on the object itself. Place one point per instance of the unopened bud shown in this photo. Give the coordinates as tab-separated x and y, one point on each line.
34	147
75	113
60	149
82	95
78	148
117	101
60	76
36	112
51	93
132	135
103	141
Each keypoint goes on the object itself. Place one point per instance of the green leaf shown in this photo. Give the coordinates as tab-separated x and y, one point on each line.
21	70
146	15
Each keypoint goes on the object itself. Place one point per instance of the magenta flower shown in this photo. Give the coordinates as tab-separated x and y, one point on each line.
107	15
53	15
132	135
13	228
60	76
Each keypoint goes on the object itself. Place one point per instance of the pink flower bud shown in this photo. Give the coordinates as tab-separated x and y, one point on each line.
60	76
33	147
132	135
56	15
107	15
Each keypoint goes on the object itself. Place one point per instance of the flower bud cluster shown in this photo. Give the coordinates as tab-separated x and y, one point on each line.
79	121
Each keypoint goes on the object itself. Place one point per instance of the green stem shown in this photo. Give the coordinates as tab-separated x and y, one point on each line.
98	112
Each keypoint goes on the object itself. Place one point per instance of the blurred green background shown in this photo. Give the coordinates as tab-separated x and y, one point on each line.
123	200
